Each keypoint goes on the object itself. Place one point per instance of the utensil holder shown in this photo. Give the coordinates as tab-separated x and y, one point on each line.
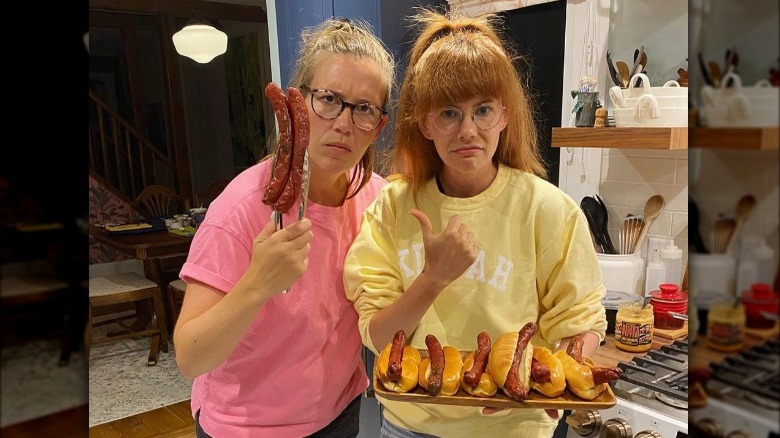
622	272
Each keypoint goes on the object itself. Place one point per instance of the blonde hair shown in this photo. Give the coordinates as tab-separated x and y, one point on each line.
455	59
343	36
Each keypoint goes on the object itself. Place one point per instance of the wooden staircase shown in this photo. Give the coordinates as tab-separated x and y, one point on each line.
121	156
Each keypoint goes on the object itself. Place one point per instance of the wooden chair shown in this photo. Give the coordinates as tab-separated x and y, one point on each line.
204	198
176	290
113	284
31	294
158	201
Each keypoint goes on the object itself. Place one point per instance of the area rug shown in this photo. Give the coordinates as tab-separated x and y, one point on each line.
33	386
121	384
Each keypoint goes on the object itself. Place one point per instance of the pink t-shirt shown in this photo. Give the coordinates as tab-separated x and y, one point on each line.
298	365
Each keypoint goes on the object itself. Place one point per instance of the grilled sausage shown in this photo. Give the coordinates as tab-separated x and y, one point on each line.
436	354
605	375
396	356
296	104
513	386
539	371
282	159
472	376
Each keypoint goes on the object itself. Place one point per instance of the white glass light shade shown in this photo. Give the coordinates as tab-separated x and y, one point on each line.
200	42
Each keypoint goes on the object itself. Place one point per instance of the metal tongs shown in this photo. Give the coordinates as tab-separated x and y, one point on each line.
304	185
276	215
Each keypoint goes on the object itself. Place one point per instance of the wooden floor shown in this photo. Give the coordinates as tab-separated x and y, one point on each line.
71	423
174	421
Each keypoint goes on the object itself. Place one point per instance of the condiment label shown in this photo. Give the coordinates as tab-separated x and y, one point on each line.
632	333
724	333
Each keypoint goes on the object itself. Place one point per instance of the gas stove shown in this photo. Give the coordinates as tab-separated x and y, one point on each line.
743	396
652	399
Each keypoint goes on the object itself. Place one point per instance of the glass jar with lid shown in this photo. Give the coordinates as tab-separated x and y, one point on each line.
726	326
668	299
634	327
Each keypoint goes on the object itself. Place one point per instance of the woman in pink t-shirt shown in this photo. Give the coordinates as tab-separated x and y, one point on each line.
265	363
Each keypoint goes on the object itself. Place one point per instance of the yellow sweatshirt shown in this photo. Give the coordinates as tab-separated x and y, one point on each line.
536	263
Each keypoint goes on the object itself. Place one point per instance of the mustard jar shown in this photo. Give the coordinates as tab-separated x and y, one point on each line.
634	327
726	326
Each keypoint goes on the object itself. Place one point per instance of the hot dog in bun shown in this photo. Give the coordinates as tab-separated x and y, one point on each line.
510	362
440	372
398	365
476	380
584	379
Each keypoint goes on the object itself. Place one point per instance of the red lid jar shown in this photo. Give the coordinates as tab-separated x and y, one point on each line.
760	298
668	299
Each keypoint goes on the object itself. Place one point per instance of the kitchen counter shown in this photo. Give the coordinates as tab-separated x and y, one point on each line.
608	355
701	355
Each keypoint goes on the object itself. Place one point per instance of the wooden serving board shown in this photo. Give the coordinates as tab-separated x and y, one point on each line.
672	333
535	401
765	334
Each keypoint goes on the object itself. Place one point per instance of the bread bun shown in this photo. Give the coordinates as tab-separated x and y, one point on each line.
487	385
450	380
579	377
502	353
410	364
557	383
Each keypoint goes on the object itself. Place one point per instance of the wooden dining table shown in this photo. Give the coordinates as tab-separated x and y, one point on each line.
150	248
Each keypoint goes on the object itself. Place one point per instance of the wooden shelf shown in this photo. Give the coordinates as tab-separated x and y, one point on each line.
621	138
735	138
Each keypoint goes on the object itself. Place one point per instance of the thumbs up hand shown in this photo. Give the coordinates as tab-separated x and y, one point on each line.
449	253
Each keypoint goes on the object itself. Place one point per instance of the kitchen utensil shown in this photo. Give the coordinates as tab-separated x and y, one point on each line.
625	74
612	72
632	227
721	234
732	60
304	185
638	53
595	216
594	230
653	208
705	72
745	206
715	72
676	315
694	235
604	225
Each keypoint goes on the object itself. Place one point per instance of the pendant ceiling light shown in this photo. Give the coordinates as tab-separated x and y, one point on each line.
200	40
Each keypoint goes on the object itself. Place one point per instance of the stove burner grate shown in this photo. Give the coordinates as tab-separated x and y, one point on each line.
753	371
664	371
671	401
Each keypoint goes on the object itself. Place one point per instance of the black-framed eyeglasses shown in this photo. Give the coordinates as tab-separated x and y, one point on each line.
486	116
330	105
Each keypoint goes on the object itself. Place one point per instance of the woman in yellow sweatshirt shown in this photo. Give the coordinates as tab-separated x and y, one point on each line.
469	237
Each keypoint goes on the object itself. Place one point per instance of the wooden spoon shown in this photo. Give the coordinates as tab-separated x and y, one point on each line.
714	72
625	75
653	208
745	206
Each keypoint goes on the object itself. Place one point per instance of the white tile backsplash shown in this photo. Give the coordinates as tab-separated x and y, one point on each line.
630	176
724	176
